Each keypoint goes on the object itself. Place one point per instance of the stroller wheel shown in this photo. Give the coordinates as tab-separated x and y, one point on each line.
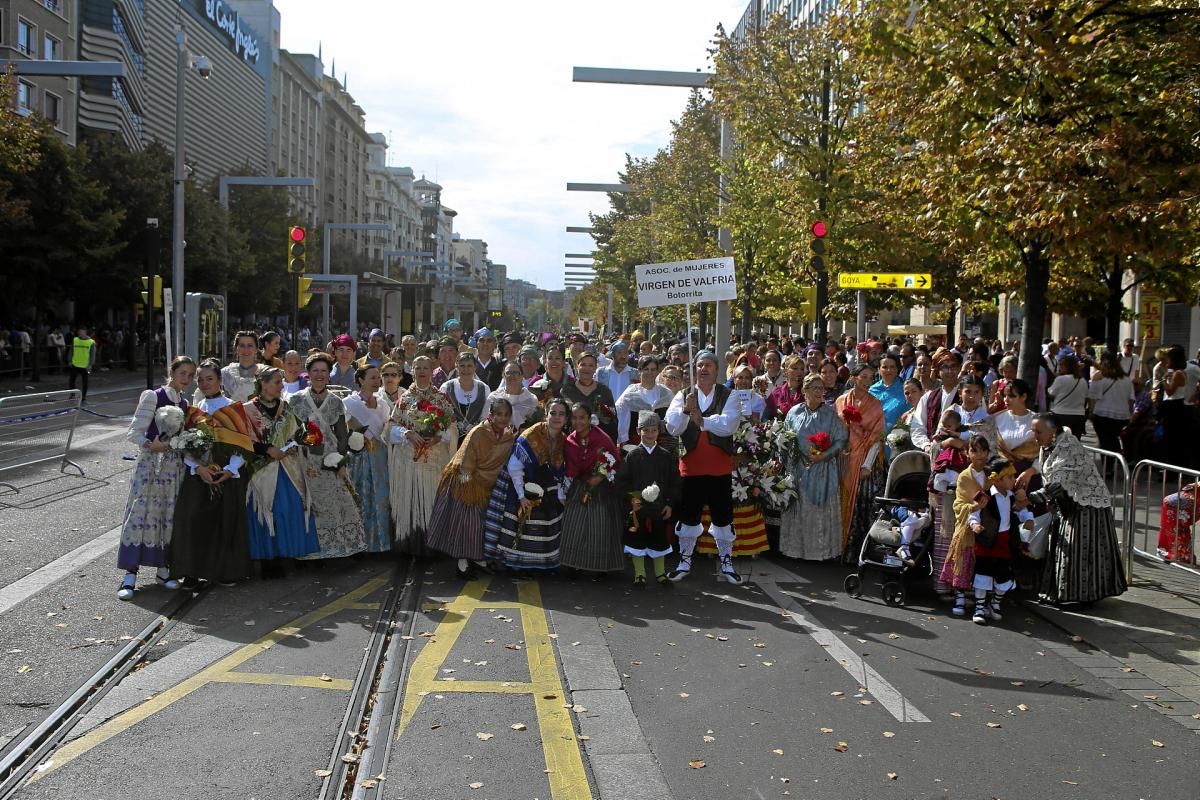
853	585
894	593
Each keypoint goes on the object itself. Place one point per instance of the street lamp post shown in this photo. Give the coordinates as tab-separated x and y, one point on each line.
184	62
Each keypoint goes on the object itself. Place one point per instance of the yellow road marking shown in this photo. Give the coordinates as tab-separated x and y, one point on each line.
275	679
211	674
365	606
564	763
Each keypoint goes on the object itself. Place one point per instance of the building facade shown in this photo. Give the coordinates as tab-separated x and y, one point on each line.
343	189
44	30
296	145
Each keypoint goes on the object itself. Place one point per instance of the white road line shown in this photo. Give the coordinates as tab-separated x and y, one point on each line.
884	692
100	437
21	590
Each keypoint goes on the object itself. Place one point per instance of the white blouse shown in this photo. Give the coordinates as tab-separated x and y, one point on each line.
1014	430
636	398
373	420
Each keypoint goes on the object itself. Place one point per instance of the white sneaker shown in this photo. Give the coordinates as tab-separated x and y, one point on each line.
981	614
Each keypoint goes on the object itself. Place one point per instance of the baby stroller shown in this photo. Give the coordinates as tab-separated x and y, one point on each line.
906	499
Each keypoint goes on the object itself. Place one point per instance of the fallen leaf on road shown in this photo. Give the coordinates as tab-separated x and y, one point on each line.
981	671
866	702
768	663
955	714
684	694
369	783
23	669
519	726
1126	669
994	725
759	644
325	677
552	635
710	738
476	785
777	751
549	697
1071	783
1077	638
1157	743
248	623
350	758
888	734
435	726
1017	683
696	763
585	738
841	747
489	641
837	694
892	776
893	636
323	773
722	638
1022	706
578	709
826	730
483	737
709	636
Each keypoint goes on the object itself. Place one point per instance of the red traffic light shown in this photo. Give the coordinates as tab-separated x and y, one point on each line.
297	234
819	229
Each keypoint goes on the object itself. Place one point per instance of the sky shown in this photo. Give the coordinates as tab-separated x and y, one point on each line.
477	95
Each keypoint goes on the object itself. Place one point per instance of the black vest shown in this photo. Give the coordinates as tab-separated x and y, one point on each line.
691	436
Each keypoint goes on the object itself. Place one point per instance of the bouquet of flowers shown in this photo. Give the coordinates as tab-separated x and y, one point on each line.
851	414
169	421
648	495
357	442
605	467
534	493
899	438
818	443
196	441
310	435
778	488
429	420
333	461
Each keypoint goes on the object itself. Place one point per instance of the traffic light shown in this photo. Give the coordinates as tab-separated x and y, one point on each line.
296	250
303	293
156	292
808	304
819	229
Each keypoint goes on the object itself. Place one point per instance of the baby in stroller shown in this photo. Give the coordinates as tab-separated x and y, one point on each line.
912	521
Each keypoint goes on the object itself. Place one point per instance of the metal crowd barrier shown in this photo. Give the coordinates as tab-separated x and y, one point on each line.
36	428
1144	510
1114	469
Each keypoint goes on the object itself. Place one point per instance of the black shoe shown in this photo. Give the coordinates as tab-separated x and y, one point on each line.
639	581
467	574
664	582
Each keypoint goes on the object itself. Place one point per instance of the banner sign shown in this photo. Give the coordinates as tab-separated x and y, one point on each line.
681	282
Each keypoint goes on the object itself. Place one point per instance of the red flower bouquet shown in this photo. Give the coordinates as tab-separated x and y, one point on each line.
818	443
310	435
851	414
429	420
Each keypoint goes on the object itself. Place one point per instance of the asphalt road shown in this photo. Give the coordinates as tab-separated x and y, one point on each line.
704	691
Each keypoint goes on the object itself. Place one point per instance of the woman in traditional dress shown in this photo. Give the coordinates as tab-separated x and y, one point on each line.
150	509
210	539
790	392
237	379
593	393
812	525
593	519
646	395
456	523
521	532
367	416
555	364
862	466
280	521
467	394
1083	563
889	391
424	438
395	381
323	415
268	349
512	390
294	378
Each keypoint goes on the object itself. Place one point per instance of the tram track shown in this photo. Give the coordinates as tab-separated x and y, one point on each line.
363	744
23	757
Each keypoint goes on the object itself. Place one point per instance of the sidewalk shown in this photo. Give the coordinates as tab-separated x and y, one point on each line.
1145	642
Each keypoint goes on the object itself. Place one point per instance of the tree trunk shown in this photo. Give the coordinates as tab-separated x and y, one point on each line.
950	323
747	294
1114	306
1037	281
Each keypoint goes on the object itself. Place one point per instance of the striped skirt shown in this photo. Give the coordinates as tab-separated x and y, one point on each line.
749	526
591	531
1083	563
943	533
531	545
455	527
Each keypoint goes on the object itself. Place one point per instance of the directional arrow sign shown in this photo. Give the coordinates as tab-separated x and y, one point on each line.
885	280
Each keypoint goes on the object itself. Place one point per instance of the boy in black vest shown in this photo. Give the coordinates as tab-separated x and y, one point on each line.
997	540
648	479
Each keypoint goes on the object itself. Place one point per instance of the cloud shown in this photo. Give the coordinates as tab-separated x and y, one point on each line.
478	96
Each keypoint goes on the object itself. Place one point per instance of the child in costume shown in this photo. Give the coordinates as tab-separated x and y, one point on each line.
970	495
997	540
951	458
649	481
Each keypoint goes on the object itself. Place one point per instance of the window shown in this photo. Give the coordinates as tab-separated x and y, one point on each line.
25	96
27	37
51	48
53	109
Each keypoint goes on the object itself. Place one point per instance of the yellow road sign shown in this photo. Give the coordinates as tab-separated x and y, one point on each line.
885	280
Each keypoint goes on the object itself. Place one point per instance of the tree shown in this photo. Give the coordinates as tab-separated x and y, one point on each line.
19	151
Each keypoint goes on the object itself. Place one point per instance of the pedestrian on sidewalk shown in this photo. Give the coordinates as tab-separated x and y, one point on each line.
150	509
83	358
1083	563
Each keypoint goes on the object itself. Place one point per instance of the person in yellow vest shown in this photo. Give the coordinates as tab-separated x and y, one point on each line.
83	358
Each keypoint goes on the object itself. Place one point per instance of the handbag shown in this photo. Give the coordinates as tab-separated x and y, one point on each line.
1037	538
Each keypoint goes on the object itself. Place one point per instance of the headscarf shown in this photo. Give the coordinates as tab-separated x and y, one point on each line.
345	340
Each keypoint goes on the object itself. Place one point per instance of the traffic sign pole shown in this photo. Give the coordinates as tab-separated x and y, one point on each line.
860	303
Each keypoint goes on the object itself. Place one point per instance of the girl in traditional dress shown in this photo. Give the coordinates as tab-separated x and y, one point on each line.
456	523
268	349
327	442
150	510
592	393
424	438
294	378
593	518
520	531
280	521
1083	563
512	390
862	467
237	379
812	525
367	416
467	394
970	494
646	395
650	514
210	539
